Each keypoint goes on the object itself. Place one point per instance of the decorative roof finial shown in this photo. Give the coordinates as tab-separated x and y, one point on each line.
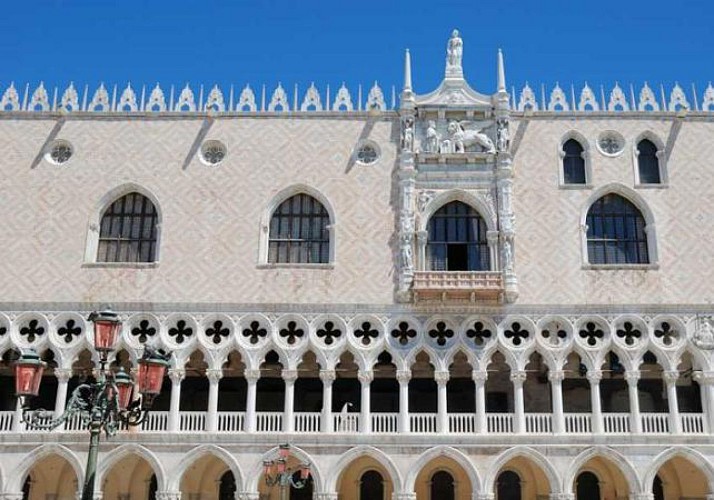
407	72
454	54
501	73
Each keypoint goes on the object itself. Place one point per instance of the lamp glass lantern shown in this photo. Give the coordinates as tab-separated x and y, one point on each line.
106	330
28	374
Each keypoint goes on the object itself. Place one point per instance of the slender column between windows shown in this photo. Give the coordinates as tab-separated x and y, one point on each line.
492	238
706	382
251	377
442	424
214	377
327	377
289	377
63	375
556	390
670	378
633	378
176	375
518	377
594	378
479	378
403	377
365	379
421	237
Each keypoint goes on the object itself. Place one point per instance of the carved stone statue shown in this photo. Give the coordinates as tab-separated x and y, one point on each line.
408	134
423	200
431	144
503	140
454	50
460	138
406	252
704	335
507	256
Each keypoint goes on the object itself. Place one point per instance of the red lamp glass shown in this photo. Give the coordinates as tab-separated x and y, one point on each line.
281	466
151	375
28	374
304	471
106	329
284	451
124	387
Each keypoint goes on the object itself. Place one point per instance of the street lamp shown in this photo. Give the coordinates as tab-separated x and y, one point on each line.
105	404
277	473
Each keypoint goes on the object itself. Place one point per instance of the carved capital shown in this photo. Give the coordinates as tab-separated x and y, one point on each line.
561	496
177	375
12	496
704	377
594	376
63	374
365	377
441	377
326	496
168	495
252	375
479	376
518	377
556	375
632	377
248	495
422	236
670	376
642	496
328	376
484	496
492	237
214	375
289	375
404	376
404	496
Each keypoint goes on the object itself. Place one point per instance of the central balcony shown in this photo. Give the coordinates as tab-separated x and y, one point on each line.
459	286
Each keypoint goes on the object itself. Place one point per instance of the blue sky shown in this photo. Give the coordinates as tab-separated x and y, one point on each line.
266	41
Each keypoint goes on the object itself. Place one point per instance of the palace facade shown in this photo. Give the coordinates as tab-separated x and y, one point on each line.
457	295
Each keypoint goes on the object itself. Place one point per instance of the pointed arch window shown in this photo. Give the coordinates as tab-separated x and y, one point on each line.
457	239
573	162
299	232
648	162
442	486
128	230
616	232
371	486
508	486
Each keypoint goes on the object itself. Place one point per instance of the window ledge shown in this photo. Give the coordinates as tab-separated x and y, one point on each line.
622	267
122	265
562	185
661	185
328	266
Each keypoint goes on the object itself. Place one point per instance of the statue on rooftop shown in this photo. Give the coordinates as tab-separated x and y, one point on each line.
454	50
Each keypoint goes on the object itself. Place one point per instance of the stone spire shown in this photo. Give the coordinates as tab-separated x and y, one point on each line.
501	73
407	98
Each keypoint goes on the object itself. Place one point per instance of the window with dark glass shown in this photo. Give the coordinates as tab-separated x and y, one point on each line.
442	486
616	232
508	486
128	231
371	486
227	486
587	487
573	162
457	239
299	232
647	162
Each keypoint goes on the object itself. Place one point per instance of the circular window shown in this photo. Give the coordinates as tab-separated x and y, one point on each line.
611	143
59	152
213	152
367	153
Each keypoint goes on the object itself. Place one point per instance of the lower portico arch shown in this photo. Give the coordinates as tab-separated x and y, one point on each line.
197	458
616	476
349	484
49	475
255	481
683	473
129	470
538	476
442	459
347	459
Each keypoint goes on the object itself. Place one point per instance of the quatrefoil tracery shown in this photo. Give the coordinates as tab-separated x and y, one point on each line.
329	333
255	332
667	334
292	333
69	331
591	334
217	331
479	333
517	334
181	331
629	333
144	331
32	330
403	333
441	334
366	333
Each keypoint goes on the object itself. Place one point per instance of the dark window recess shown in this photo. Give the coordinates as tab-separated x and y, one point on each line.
508	486
573	162
497	402
299	232
371	486
588	487
227	487
457	239
442	486
128	230
616	232
658	488
648	163
304	493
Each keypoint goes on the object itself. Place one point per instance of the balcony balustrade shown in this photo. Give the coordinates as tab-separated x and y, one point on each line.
458	285
388	423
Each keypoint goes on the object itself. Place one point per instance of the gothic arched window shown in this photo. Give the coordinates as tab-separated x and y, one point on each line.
573	162
508	486
304	493
227	486
616	232
457	239
587	487
371	486
442	486
128	230
658	488
648	162
299	232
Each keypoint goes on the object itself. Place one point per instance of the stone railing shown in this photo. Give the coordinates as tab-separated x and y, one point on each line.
457	285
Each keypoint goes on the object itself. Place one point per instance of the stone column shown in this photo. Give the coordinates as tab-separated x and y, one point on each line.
442	415
403	496
492	239
641	496
594	377
421	237
12	496
289	376
403	377
251	378
633	377
214	377
561	496
365	379
519	425
168	495
247	495
325	496
483	496
706	384
176	375
670	378
556	390
479	378
327	377
63	375
17	425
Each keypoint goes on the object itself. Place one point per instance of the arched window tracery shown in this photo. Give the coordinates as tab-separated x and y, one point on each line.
457	239
128	231
648	162
299	232
573	162
616	232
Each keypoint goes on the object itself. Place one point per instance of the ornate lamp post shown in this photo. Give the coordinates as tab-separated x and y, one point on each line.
105	404
277	473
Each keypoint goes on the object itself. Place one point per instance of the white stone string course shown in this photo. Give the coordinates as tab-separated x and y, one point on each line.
155	100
